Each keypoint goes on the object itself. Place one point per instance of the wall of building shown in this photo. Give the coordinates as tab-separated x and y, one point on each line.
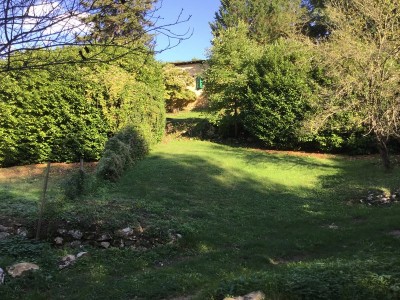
195	69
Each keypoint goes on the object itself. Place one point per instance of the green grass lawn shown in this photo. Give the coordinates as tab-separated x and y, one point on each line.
291	226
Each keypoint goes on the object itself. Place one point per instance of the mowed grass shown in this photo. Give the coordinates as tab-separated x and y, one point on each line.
291	226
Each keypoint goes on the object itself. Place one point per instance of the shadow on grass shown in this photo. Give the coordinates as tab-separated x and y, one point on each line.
248	221
236	223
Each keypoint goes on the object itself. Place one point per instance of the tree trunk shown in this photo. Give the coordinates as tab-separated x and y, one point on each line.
384	152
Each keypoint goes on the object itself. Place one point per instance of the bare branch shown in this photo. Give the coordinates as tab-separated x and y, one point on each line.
44	25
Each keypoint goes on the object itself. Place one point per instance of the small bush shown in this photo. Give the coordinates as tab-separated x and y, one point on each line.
138	146
110	166
126	147
74	185
78	184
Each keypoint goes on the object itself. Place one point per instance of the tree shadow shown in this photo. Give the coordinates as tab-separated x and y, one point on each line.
241	228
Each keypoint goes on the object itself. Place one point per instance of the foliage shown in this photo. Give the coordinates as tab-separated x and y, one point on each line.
22	248
45	115
177	94
64	114
267	20
226	77
248	199
278	95
126	147
362	58
99	31
78	184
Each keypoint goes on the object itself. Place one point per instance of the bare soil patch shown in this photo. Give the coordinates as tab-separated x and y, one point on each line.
56	169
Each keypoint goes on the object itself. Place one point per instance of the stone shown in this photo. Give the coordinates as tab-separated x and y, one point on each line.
3	235
395	233
124	232
104	237
76	234
255	296
66	261
81	254
139	229
2	276
22	232
58	241
20	268
333	226
105	245
61	231
5	229
252	296
75	244
178	236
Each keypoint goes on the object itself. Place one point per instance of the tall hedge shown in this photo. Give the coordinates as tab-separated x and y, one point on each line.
46	116
279	91
64	113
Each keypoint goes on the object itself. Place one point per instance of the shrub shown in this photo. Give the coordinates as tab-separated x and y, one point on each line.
45	115
177	94
63	114
126	147
277	100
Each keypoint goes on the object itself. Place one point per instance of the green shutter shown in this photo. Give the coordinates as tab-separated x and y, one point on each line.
199	83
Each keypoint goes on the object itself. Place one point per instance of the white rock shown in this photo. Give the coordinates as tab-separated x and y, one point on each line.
124	232
66	261
178	236
58	240
105	244
61	231
251	296
18	269
76	234
104	237
5	229
81	254
75	244
22	232
333	226
3	235
69	257
2	276
255	296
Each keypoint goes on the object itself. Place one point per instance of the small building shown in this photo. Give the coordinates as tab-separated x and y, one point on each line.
196	69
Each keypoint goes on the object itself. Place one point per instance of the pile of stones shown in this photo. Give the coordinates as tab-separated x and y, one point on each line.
15	229
128	237
378	198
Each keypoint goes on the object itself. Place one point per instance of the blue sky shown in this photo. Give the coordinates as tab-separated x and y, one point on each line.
202	12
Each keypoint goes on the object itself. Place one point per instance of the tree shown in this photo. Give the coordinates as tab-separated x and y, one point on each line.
64	114
102	30
226	77
176	82
267	20
279	92
362	58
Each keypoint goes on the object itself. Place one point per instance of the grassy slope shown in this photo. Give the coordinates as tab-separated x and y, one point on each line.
249	220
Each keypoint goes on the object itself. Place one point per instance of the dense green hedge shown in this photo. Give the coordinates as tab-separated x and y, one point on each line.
278	95
45	116
67	112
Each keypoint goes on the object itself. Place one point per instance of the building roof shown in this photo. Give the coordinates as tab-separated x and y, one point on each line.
190	62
